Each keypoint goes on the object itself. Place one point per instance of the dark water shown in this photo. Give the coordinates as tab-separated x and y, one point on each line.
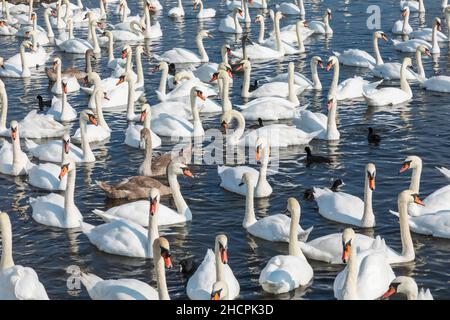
420	127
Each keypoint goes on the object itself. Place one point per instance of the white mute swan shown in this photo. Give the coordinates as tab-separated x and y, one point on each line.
289	8
414	6
230	24
427	33
180	55
51	151
55	210
390	95
403	26
408	287
16	282
178	11
284	273
214	267
72	82
346	208
436	83
203	13
16	71
133	289
133	132
322	27
205	71
231	177
124	237
329	248
46	175
313	121
76	45
275	227
276	135
351	88
36	57
152	30
60	109
137	211
13	161
367	275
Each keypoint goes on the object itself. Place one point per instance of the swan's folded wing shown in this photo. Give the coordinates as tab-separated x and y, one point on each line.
374	276
200	283
28	286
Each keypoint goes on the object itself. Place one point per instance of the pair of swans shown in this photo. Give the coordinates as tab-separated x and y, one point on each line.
134	131
202	12
230	24
72	84
180	55
33	126
58	211
17	71
213	268
309	121
137	211
276	135
133	289
329	248
367	275
36	57
52	150
270	107
284	273
16	282
275	227
77	45
436	83
428	34
389	96
232	177
421	38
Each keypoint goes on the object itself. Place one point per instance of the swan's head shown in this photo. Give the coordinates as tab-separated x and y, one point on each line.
437	23
154	199
293	207
33	16
317	60
247	180
66	143
219	290
164	249
424	50
223	66
180	168
204	34
64	86
408	196
14	129
196	4
238	11
225	120
333	60
27	45
259	18
371	173
198	93
279	15
405	11
66	167
222	247
127	76
108	34
332	102
244	65
89	15
328	14
402	284
261	143
145	110
447	10
88	115
412	162
226	48
56	62
48	11
337	184
161	66
380	35
140	50
347	241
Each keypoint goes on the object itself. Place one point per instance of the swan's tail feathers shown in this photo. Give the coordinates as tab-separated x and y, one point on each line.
105	216
444	171
221	169
112	192
87	90
395	42
89	280
395	213
373	85
314	134
424	294
161	96
319	192
313	253
301	108
303	235
58	42
30	144
86	227
337	54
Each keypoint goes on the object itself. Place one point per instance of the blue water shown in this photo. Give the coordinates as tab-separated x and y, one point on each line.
419	127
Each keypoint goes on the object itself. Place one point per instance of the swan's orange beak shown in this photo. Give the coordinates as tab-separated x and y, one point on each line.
124	54
215	296
224	255
64	86
152	207
258	153
224	125
239	68
188	173
404	13
195	6
418	201
53	13
240	13
167	261
371	182
66	146
214	77
427	52
230	74
384	37
14	133
391	291
330	104
405	166
200	95
121	80
64	170
329	66
142	117
93	120
320	64
346	252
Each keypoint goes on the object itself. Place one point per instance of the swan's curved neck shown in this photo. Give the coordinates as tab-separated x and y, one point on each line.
6	232
87	152
301	6
294	248
335	81
237	134
277	34
94	38
220	276
420	69
152	231
130	100
250	217
163	81
163	292
182	207
415	178
376	50
147	164
69	195
224	54
201	49
4	112
262	30
246	84
291	90
225	88
404	85
326	21
237	25
350	284
407	244
300	43
434	39
58	77
262	178
405	22
368	219
64	110
148	22
110	48
331	122
17	152
99	109
197	122
315	76
23	58
139	69
48	25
